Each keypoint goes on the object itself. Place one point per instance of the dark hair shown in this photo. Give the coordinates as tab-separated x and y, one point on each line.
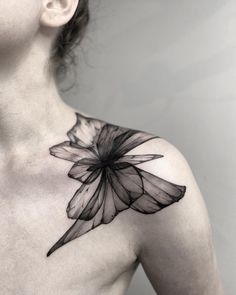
69	37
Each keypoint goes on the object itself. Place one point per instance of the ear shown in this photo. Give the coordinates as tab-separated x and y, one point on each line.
56	13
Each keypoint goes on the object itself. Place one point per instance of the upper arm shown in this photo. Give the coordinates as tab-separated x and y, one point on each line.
176	248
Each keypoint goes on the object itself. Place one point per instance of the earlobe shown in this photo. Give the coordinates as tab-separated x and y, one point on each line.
56	13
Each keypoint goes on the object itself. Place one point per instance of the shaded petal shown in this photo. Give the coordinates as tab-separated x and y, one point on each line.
138	159
87	193
106	139
110	207
86	130
79	228
128	141
115	191
119	190
147	205
127	183
159	193
71	153
96	201
82	170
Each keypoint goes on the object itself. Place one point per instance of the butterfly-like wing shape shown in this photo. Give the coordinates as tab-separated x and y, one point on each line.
85	132
111	181
129	140
123	177
158	193
84	170
103	205
71	152
125	186
138	159
116	141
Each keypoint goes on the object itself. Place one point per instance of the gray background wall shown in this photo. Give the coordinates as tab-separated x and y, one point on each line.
169	67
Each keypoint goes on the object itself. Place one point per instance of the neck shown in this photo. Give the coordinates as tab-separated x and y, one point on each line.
30	105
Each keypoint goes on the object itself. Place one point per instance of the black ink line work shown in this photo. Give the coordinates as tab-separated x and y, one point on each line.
110	179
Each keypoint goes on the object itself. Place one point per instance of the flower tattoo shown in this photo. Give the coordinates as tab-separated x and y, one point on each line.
110	179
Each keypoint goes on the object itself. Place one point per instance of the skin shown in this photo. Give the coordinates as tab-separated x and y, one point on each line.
174	246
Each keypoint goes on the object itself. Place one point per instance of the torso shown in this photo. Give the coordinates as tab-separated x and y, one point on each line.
33	217
100	252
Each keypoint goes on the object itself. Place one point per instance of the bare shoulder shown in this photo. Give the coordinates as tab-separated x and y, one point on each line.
111	163
122	169
174	168
176	244
189	214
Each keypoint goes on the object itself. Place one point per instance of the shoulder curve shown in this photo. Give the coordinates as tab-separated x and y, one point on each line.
178	223
139	148
118	168
179	239
154	175
88	121
89	130
140	156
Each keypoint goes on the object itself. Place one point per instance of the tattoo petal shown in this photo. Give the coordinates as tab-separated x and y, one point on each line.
67	151
83	196
158	194
130	140
82	171
138	159
111	180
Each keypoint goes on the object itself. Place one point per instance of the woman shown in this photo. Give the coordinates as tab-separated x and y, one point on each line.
131	195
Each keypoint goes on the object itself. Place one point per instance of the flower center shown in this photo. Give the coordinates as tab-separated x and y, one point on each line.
106	163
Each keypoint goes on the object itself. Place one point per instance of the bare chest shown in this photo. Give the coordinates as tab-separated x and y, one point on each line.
33	217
